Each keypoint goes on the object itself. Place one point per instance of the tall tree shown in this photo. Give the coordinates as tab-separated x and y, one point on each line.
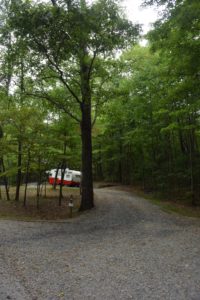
176	36
66	39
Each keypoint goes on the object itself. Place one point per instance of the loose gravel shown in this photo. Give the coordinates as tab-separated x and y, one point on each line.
125	248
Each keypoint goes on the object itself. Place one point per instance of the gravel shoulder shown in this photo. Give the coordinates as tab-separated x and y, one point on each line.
125	248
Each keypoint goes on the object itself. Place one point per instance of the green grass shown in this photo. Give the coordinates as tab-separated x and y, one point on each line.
180	207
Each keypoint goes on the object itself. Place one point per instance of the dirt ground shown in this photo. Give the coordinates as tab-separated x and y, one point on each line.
49	208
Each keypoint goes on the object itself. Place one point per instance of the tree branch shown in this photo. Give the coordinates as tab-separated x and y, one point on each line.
54	2
65	83
60	72
56	103
91	64
98	102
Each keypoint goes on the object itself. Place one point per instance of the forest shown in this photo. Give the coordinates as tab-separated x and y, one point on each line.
79	91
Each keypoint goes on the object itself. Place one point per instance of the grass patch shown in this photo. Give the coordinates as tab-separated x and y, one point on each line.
49	208
179	206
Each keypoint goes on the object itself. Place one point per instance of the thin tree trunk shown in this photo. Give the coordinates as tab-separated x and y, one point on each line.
191	171
63	172
38	195
27	176
61	186
121	179
8	83
2	166
19	171
5	180
45	189
39	182
61	183
143	171
56	176
99	164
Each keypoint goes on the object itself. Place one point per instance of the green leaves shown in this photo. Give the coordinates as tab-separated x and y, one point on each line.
178	37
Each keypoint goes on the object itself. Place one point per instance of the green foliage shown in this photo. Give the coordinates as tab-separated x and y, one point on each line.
151	127
67	40
146	103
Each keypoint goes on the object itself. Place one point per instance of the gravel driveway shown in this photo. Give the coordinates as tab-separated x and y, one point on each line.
125	248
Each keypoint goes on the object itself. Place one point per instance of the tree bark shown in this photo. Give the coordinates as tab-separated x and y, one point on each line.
63	168
56	176
19	171
191	158
39	182
5	180
120	177
99	164
87	178
26	176
87	198
2	167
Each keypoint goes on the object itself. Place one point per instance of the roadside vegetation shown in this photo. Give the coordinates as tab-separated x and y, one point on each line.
177	205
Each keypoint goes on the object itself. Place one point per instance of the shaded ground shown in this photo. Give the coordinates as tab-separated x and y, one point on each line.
125	248
48	204
171	204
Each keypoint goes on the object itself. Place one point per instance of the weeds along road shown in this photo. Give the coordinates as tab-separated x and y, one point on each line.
125	248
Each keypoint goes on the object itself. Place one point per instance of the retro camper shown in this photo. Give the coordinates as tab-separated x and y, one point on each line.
71	177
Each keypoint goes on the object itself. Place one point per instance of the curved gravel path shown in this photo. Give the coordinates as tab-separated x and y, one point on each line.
125	248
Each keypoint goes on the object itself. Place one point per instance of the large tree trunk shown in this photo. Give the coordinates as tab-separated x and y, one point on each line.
87	198
87	179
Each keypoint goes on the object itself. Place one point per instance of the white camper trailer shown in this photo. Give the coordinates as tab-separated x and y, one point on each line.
71	177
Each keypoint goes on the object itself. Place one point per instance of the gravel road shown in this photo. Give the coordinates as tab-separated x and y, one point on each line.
125	248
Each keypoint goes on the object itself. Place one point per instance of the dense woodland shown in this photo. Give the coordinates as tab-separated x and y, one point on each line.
75	83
